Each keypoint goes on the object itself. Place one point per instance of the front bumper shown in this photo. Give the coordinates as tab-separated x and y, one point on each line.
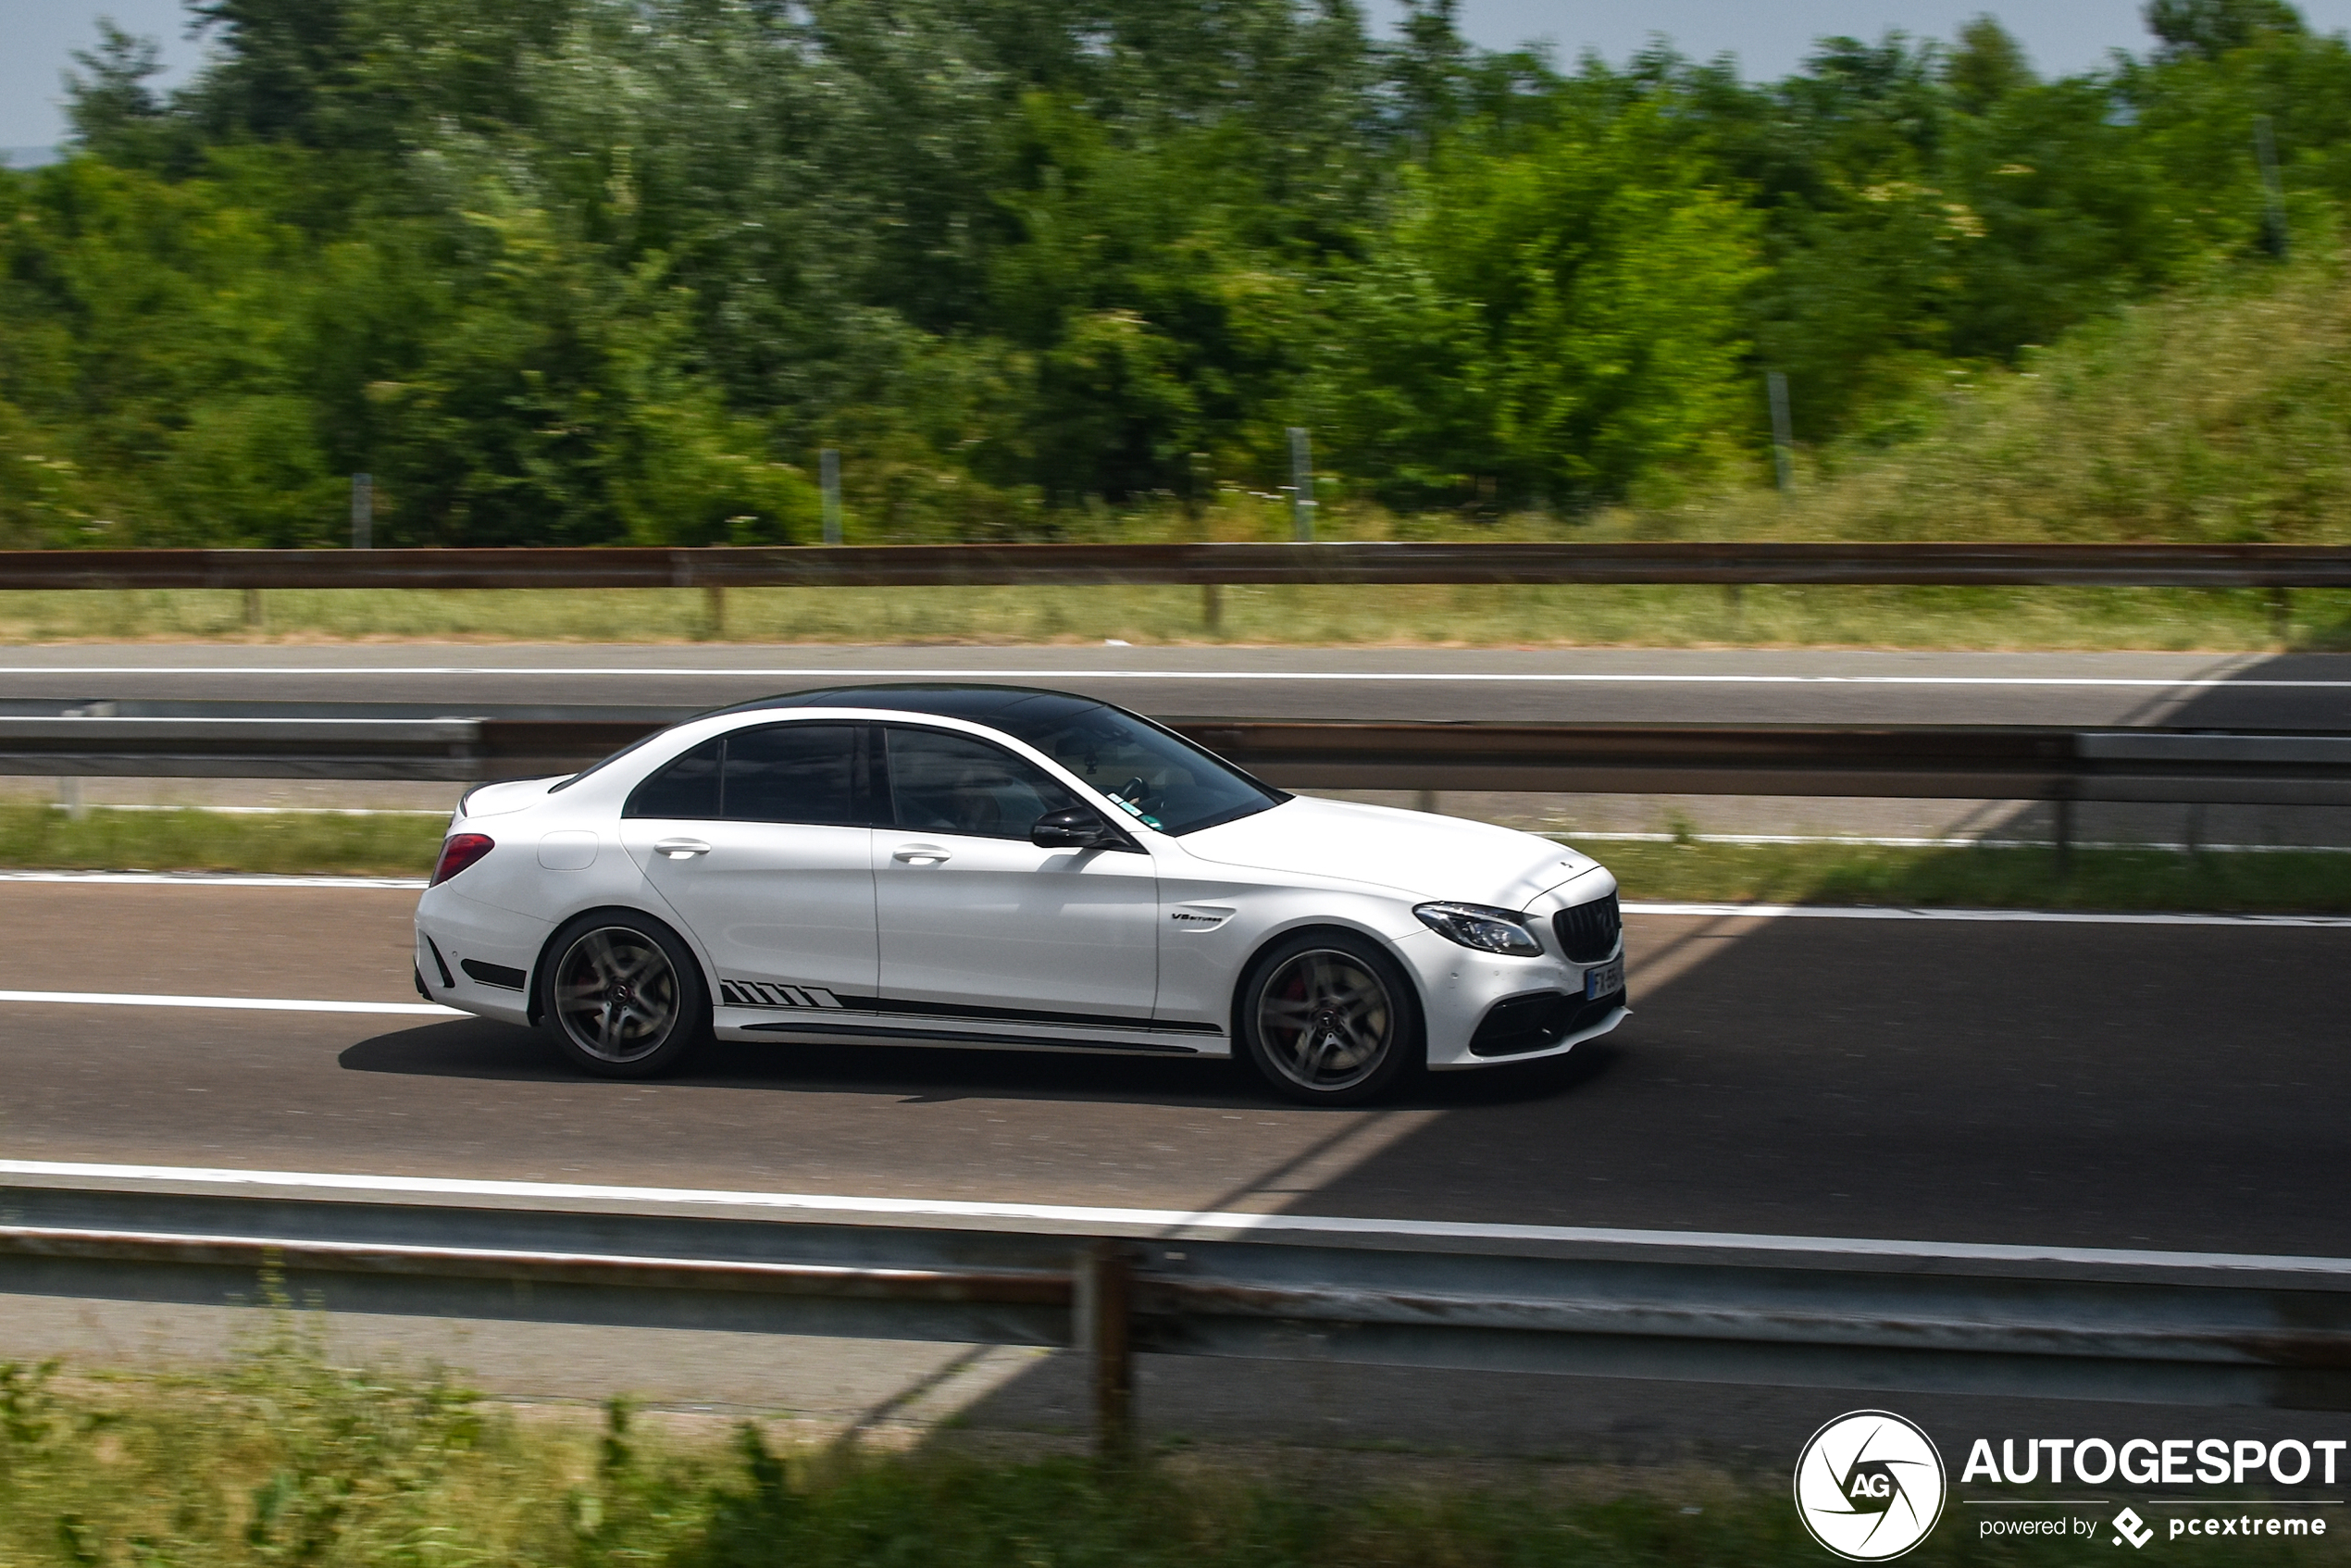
1483	1010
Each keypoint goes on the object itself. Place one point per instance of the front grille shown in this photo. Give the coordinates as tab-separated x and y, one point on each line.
1587	933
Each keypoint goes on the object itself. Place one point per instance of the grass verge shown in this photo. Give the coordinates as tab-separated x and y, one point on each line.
2279	882
284	1458
1968	618
41	837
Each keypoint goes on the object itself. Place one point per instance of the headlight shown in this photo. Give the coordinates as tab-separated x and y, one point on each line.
1474	925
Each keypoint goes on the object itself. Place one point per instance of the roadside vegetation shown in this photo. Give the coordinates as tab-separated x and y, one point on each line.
585	271
2214	413
1965	618
285	1458
37	836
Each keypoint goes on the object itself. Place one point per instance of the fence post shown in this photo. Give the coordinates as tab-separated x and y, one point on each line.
363	511
1783	431
1105	1289
2265	153
1301	479
829	477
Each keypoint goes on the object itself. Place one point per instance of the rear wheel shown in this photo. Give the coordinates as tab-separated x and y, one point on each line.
1329	1019
623	996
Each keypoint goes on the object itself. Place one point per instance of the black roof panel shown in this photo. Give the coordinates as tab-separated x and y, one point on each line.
949	700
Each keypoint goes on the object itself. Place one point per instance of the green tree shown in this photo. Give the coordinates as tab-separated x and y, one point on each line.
1549	323
1987	65
2209	29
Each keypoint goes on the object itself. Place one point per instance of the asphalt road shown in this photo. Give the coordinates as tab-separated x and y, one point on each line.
2137	1086
2311	692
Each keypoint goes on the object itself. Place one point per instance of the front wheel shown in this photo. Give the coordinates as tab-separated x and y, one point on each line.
1328	1019
623	996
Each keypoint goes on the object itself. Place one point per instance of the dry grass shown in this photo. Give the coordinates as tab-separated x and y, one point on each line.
1427	616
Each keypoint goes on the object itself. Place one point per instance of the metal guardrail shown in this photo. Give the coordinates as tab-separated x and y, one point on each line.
197	739
914	566
1980	1320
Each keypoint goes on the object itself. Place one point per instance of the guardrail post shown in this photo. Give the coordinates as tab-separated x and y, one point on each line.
256	617
1212	606
1105	1292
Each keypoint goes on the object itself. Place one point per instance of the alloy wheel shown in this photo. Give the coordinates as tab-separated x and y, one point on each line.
615	994
1326	1020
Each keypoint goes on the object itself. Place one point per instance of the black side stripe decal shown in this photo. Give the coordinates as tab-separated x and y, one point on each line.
766	993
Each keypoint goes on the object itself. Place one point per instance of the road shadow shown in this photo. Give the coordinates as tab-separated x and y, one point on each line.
2169	1087
479	1049
2248	698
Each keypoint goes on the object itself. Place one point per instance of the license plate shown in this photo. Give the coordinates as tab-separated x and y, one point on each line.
1607	977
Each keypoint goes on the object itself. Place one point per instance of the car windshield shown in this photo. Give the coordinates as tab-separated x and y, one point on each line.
1157	777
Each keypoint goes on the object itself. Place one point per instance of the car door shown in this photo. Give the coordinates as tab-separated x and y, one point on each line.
974	916
760	841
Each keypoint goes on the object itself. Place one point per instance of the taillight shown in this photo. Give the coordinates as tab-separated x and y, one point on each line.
459	851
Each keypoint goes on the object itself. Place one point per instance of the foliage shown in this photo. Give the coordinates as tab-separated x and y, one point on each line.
286	1457
616	270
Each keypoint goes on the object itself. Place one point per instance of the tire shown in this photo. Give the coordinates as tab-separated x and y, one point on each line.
623	996
1328	1018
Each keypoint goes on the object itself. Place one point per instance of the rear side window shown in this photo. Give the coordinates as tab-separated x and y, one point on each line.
793	772
799	773
943	783
688	787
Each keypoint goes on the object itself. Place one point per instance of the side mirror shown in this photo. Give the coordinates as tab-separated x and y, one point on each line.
1076	829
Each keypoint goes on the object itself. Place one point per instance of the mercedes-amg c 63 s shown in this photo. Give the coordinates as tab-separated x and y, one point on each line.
1005	868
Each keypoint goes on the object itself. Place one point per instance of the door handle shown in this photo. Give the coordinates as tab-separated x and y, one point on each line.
921	855
680	849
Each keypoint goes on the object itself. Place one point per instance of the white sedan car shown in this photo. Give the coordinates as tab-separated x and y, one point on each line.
1005	868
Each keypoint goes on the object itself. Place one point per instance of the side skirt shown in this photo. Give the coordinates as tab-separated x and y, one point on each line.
806	1031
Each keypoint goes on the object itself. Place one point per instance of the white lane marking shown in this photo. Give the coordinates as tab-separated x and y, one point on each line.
913	672
1986	916
232	1004
212	880
1161	1219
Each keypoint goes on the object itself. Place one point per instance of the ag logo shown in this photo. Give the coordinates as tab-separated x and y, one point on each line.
1869	1485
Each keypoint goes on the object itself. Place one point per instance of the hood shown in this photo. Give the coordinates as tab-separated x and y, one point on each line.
1431	857
497	800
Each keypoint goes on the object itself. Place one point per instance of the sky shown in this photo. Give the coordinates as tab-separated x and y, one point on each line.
37	37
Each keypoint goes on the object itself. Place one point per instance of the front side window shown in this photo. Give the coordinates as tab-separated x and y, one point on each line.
1154	776
944	783
797	773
